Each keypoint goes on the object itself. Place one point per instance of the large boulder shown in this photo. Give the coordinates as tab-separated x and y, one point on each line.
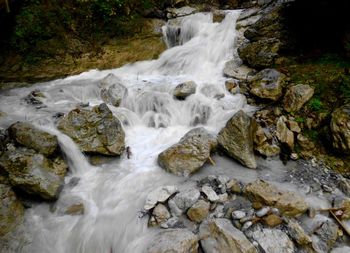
11	210
174	241
113	91
33	172
237	137
241	73
185	89
95	131
219	235
27	135
260	54
289	203
189	154
268	84
340	126
296	96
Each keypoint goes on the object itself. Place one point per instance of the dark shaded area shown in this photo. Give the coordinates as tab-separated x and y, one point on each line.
318	26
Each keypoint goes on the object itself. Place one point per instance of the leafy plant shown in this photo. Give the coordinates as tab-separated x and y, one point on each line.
315	104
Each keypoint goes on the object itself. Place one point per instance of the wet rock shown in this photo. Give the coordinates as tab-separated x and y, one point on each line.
211	91
268	84
271	240
236	138
189	154
272	220
218	235
210	193
340	126
29	136
175	241
289	203
113	90
327	236
95	131
199	211
180	12
160	214
33	172
76	209
241	73
232	86
296	96
284	135
260	54
185	89
34	98
297	233
159	195
263	211
183	200
11	210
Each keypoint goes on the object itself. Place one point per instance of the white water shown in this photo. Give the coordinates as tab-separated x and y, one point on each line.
114	193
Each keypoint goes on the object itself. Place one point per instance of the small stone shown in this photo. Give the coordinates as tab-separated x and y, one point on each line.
294	156
171	223
247	225
223	197
234	186
161	194
263	211
199	211
237	215
257	205
186	198
161	213
247	218
76	209
294	126
297	233
272	220
210	193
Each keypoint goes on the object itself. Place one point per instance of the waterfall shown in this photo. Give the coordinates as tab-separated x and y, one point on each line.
114	193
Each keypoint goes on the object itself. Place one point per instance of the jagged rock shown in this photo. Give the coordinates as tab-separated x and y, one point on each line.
236	138
242	73
185	89
219	235
268	84
232	86
33	172
95	131
340	126
76	209
260	54
199	211
113	91
271	240
284	135
210	193
305	143
27	135
289	203
189	154
293	126
159	195
296	96
268	150
183	200
327	236
297	233
11	210
174	241
160	214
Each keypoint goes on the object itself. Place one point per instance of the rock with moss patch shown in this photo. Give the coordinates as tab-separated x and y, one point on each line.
296	96
236	138
29	136
95	131
11	210
190	154
340	126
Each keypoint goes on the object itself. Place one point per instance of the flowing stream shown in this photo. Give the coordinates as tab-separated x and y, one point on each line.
114	193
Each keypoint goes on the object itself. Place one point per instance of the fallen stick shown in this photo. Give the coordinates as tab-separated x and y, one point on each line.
211	161
340	223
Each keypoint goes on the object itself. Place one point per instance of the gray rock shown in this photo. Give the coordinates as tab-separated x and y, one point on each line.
186	198
237	215
174	241
297	233
27	135
189	154
113	90
33	172
180	12
327	236
236	138
185	89
296	96
173	222
11	210
210	193
242	73
340	126
220	236
159	195
268	84
271	240
95	131
160	214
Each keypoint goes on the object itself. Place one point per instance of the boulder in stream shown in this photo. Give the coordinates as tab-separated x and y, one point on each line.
185	89
236	138
189	154
95	131
113	90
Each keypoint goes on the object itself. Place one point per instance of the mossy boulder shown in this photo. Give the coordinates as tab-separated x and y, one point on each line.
94	131
340	127
11	210
296	96
29	136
